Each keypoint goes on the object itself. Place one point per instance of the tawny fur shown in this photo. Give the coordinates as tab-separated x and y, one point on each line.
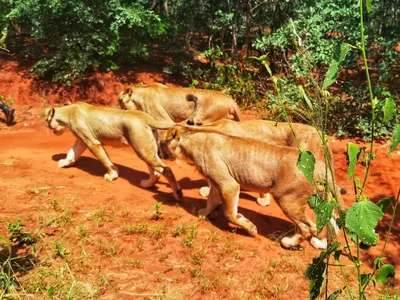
94	126
274	133
196	106
230	163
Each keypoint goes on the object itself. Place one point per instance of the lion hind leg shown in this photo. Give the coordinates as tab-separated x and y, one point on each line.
296	211
230	201
153	178
73	154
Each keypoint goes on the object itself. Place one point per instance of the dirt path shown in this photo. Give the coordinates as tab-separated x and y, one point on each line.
58	203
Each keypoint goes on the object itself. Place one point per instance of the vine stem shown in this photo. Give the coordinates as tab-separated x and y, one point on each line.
371	97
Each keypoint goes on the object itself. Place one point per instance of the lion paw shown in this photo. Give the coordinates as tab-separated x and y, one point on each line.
110	177
264	201
147	183
62	163
290	242
204	191
253	230
203	214
319	243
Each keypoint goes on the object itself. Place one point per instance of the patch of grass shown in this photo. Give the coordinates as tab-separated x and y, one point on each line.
16	234
107	248
138	228
135	263
101	216
195	272
60	250
188	240
197	257
209	283
158	231
82	231
180	229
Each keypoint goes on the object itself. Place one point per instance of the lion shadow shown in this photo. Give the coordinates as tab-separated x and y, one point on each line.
268	226
94	167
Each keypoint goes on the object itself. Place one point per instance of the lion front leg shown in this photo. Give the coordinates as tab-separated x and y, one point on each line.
264	199
112	170
230	201
73	154
213	201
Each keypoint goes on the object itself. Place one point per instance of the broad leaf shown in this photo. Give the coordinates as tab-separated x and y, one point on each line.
362	218
338	58
353	152
335	294
316	272
323	212
365	278
314	200
389	110
384	203
344	50
305	164
396	139
386	271
331	75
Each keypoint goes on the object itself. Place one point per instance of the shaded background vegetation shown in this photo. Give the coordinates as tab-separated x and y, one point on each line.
214	44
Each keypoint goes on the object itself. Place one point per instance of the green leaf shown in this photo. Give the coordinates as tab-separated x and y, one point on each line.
344	50
335	294
323	212
389	110
353	152
368	4
396	139
305	164
337	255
338	58
305	97
384	203
378	262
365	278
50	291
331	75
316	272
362	218
386	271
314	200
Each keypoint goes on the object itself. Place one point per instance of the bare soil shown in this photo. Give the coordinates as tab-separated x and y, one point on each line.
114	249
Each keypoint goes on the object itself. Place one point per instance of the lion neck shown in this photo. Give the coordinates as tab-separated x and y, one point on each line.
63	114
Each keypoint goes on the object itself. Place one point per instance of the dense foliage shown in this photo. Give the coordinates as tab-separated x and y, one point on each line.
68	39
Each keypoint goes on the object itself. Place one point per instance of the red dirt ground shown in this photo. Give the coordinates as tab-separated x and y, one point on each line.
34	189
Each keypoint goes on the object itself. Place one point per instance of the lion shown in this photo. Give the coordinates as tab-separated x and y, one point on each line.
193	106
232	163
271	132
93	126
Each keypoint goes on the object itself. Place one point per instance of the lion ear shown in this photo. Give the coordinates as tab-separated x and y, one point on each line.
129	91
175	134
49	113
